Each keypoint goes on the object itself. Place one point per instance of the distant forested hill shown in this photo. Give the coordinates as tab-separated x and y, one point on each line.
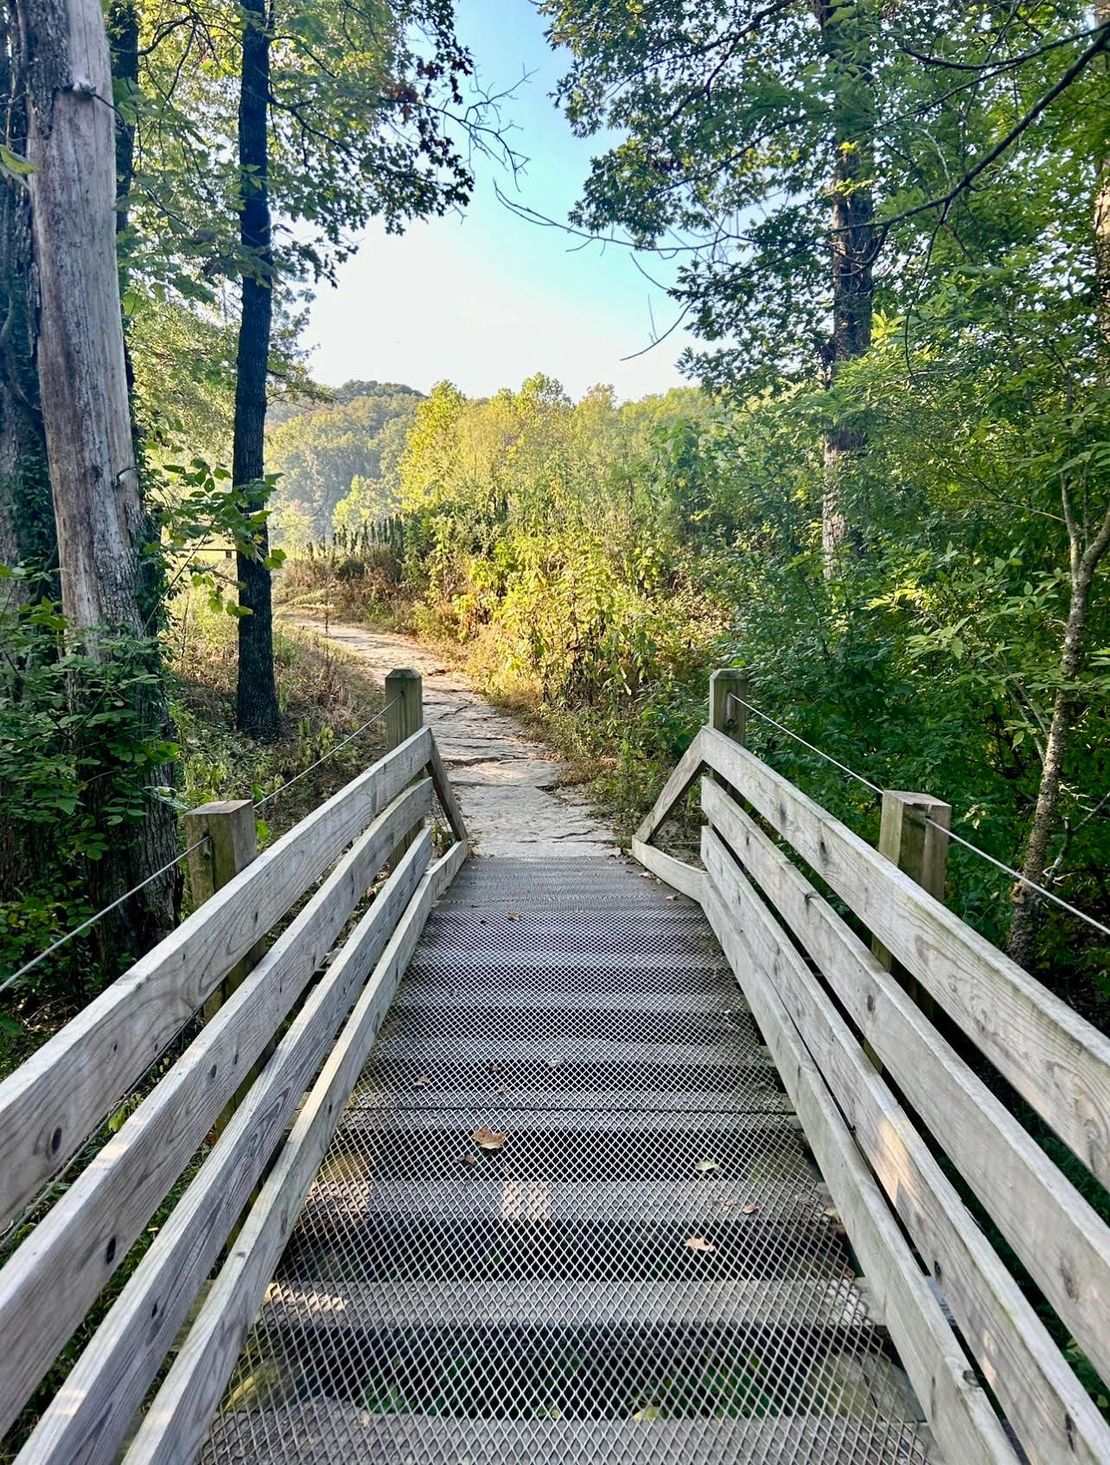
339	451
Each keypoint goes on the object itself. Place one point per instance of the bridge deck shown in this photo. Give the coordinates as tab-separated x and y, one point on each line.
646	1270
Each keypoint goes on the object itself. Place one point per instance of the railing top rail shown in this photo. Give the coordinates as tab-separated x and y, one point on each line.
1057	1060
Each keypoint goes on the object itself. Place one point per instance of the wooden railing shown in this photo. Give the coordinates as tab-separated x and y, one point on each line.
52	1104
866	1055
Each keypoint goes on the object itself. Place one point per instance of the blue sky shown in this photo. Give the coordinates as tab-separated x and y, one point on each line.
489	299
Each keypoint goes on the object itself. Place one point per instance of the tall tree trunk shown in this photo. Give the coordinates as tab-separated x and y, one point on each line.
1102	224
1085	552
852	245
1084	560
256	702
98	509
26	519
123	45
123	42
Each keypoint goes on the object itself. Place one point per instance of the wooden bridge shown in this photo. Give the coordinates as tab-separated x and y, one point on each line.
548	1160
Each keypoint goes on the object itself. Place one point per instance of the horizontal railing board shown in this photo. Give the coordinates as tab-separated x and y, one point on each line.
1055	1059
174	1424
685	878
1055	1232
48	1285
89	1417
957	1408
54	1100
1041	1396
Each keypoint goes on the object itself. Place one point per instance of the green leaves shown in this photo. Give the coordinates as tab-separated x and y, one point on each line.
13	166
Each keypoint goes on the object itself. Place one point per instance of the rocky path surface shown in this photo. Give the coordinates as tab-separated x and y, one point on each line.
509	786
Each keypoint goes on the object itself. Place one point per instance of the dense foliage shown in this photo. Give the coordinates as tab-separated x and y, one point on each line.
336	461
597	559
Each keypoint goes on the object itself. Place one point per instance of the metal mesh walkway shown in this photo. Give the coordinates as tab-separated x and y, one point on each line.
643	1269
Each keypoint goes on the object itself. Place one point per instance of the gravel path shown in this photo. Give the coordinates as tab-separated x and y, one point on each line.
507	783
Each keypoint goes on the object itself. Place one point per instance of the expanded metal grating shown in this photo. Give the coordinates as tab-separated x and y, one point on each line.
646	1270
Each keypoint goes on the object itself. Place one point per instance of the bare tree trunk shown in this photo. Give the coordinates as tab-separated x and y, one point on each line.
26	520
1102	226
256	700
123	45
98	507
1083	561
1068	704
852	250
123	41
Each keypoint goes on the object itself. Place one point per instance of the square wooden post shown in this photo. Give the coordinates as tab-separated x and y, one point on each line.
913	835
725	714
404	700
230	846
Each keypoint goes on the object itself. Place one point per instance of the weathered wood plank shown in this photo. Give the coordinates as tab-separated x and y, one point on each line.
446	794
89	1416
1055	1059
685	772
1055	1232
53	1101
49	1284
174	1425
957	1408
1043	1400
686	878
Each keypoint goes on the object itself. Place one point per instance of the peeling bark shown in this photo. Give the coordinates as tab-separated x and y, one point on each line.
98	509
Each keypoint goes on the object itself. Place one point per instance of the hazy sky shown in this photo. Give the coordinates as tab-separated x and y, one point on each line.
489	299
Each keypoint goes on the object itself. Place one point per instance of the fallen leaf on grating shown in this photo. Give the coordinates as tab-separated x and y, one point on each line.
512	915
698	1243
489	1139
468	1159
831	1213
749	1209
706	1167
422	1082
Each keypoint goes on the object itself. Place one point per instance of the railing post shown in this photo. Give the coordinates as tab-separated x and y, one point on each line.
231	844
725	715
913	835
404	701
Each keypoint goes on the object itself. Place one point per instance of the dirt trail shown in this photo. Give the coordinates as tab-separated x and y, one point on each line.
507	784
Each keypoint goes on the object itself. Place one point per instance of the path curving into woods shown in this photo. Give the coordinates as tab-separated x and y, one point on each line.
510	787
